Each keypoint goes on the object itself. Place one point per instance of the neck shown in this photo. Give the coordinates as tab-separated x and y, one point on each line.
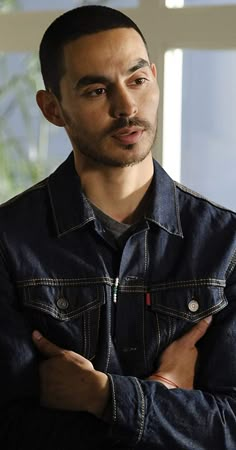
118	192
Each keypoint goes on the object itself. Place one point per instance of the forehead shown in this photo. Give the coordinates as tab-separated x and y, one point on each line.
104	50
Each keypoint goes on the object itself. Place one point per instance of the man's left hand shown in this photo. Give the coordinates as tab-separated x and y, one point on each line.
178	361
69	381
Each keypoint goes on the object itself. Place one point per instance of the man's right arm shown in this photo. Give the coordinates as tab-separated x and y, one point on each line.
23	423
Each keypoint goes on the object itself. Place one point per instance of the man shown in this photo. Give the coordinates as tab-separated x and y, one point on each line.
108	265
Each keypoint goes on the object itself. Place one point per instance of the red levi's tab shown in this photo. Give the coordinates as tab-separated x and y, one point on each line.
148	299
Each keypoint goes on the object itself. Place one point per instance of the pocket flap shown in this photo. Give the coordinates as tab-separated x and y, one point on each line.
63	302
193	303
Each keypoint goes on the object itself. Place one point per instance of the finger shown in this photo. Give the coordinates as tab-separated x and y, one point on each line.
46	347
197	332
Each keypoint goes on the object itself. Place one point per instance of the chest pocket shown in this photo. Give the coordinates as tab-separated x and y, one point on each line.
172	312
69	316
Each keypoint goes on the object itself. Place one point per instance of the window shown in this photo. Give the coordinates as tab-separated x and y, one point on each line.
30	148
196	132
183	3
199	100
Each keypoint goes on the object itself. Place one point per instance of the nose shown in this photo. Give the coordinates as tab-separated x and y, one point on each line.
123	103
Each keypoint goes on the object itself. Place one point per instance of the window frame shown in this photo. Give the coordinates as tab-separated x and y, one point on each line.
192	27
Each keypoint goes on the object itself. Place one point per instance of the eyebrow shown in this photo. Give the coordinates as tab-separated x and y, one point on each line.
96	79
139	65
91	79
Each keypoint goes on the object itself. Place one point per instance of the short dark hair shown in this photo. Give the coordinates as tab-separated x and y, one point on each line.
72	25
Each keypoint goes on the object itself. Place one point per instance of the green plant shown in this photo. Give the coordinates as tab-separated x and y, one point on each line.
24	133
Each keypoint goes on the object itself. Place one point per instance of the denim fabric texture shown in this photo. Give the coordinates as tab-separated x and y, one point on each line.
61	274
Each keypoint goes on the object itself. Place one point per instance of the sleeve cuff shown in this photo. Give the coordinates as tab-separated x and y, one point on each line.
127	409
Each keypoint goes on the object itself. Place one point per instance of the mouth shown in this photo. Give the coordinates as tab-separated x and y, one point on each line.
128	135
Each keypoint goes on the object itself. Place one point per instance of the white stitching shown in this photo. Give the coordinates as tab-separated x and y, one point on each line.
231	265
109	303
123	287
62	316
85	336
177	211
143	333
193	317
114	412
64	281
142	411
158	333
146	255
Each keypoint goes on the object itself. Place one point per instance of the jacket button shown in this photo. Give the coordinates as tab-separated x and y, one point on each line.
193	306
62	303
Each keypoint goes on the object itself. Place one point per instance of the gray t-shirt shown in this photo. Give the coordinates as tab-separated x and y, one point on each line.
118	231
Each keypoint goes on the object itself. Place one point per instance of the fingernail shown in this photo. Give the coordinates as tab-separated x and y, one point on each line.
37	335
208	319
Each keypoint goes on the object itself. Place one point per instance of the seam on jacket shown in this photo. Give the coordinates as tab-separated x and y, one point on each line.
64	281
196	316
109	333
158	334
53	209
63	316
141	395
114	404
210	282
169	330
76	227
146	254
175	233
85	337
202	197
143	338
177	211
231	265
142	288
191	283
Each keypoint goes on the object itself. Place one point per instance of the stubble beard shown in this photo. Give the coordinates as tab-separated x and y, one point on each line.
81	146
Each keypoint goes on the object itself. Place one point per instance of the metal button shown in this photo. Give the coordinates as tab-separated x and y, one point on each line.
62	303
193	306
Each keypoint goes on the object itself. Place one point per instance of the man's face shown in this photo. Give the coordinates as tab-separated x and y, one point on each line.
109	98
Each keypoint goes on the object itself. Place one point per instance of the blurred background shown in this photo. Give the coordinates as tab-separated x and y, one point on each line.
193	43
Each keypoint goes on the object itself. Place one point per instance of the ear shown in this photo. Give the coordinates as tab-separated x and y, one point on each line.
154	70
50	107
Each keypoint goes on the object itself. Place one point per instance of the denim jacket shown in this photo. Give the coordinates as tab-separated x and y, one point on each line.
60	274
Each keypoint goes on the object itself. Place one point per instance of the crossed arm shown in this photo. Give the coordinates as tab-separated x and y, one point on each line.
148	415
69	382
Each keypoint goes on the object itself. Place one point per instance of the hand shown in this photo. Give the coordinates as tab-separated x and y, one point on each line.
179	359
69	381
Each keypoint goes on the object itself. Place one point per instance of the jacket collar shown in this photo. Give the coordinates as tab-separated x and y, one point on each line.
70	208
164	205
72	211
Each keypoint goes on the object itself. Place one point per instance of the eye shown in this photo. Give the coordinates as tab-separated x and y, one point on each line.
141	80
96	92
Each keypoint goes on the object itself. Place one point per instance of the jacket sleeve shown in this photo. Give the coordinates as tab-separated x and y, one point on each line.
23	423
146	415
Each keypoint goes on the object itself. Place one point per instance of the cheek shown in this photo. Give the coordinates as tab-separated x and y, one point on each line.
95	114
90	127
149	104
154	99
96	123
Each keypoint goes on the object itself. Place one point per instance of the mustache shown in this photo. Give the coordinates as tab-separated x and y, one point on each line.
124	122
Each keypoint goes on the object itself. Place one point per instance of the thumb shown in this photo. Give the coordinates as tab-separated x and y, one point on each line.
46	347
197	332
